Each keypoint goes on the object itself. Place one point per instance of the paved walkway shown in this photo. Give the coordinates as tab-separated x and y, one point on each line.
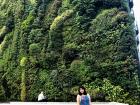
59	103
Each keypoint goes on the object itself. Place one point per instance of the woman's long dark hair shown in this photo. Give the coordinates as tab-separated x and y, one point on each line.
82	87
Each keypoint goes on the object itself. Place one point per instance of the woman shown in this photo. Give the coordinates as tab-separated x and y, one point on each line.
83	98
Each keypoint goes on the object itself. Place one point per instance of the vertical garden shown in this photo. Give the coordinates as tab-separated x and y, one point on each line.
57	45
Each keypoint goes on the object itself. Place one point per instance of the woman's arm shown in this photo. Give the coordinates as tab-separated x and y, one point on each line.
78	100
89	100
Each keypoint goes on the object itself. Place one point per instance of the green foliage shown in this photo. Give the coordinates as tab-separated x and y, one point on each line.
26	23
114	93
23	64
23	88
34	49
80	71
36	36
33	1
2	32
2	94
60	19
56	38
57	45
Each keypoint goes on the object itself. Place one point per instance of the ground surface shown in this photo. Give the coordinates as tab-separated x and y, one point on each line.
59	103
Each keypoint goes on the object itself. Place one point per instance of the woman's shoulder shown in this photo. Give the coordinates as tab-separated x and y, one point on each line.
88	95
78	95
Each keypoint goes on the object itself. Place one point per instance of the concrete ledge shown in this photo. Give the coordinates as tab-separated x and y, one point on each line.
59	103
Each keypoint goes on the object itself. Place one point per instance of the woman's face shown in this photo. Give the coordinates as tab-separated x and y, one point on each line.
81	90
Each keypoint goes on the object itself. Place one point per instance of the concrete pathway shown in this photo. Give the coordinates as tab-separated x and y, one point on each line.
59	103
